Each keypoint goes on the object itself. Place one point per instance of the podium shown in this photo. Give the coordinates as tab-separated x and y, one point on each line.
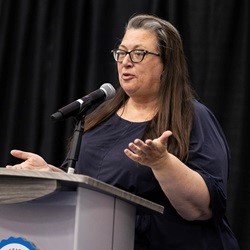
67	211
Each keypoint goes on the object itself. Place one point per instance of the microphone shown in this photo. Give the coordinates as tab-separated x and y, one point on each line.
105	92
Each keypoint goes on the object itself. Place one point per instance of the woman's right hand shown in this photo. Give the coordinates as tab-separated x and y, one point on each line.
31	162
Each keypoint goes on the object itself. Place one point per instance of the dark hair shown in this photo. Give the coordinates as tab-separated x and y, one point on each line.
175	110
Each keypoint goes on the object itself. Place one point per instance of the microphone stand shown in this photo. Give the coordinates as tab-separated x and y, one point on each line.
76	143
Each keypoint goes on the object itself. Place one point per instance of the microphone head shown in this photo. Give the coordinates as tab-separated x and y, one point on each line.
109	90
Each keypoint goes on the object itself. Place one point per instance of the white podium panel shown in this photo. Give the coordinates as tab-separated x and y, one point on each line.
48	223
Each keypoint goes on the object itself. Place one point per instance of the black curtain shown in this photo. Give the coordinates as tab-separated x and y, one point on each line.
55	51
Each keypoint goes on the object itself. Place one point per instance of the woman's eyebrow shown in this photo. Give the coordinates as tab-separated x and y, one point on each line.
135	47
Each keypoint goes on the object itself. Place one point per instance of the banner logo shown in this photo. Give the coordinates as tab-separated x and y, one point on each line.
16	244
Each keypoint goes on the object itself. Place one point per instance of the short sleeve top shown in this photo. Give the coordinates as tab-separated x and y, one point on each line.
102	157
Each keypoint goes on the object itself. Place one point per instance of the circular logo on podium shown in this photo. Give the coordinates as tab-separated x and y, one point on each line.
16	244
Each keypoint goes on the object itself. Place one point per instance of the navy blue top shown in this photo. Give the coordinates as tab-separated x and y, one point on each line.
102	157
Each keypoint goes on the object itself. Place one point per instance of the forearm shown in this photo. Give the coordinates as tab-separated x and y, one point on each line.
185	188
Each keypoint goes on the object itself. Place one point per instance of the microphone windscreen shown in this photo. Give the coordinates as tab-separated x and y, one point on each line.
109	90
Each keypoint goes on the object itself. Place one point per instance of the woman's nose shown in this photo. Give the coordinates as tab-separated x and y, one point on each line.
127	60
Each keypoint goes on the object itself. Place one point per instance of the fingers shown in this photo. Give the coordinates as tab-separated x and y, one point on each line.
139	147
149	151
31	161
139	151
164	137
17	166
21	167
9	166
21	154
131	155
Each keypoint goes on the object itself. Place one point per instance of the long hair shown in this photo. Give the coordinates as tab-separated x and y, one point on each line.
175	110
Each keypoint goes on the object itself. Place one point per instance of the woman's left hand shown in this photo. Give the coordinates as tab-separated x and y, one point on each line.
151	152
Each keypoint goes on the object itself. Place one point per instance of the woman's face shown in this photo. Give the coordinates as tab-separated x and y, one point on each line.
140	80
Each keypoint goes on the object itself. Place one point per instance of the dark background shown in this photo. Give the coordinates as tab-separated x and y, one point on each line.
55	51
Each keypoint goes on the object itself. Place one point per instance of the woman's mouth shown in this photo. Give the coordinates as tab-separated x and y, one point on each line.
127	76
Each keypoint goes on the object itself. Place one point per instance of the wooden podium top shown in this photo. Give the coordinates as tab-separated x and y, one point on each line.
25	185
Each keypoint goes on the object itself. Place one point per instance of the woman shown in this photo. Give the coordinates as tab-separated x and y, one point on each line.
155	140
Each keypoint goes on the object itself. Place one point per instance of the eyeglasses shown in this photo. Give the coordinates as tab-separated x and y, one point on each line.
136	55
